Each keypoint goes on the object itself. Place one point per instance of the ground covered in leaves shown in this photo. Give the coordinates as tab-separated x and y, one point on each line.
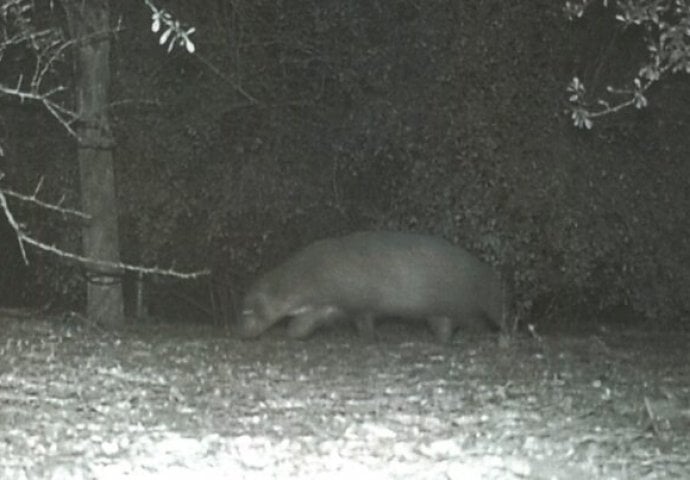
79	402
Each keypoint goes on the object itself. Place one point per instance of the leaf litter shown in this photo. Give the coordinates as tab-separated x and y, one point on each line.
172	402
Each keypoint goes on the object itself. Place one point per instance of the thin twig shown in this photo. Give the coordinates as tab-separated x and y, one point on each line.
23	238
13	223
112	265
47	206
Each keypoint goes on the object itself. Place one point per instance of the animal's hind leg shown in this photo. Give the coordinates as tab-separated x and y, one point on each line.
365	326
442	327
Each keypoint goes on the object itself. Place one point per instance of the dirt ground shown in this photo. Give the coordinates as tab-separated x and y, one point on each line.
79	402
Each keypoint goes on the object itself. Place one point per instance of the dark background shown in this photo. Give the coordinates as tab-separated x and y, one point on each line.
303	119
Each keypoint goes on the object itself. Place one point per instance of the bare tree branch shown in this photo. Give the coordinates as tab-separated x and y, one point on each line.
113	265
13	223
23	238
49	206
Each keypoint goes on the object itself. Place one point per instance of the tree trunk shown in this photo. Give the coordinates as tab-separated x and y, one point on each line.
90	25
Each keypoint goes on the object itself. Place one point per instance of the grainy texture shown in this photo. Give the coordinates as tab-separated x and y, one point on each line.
158	403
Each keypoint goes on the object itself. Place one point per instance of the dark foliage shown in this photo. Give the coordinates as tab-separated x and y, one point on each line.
442	117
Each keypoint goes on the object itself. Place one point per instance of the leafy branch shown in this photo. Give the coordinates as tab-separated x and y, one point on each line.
666	24
173	32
